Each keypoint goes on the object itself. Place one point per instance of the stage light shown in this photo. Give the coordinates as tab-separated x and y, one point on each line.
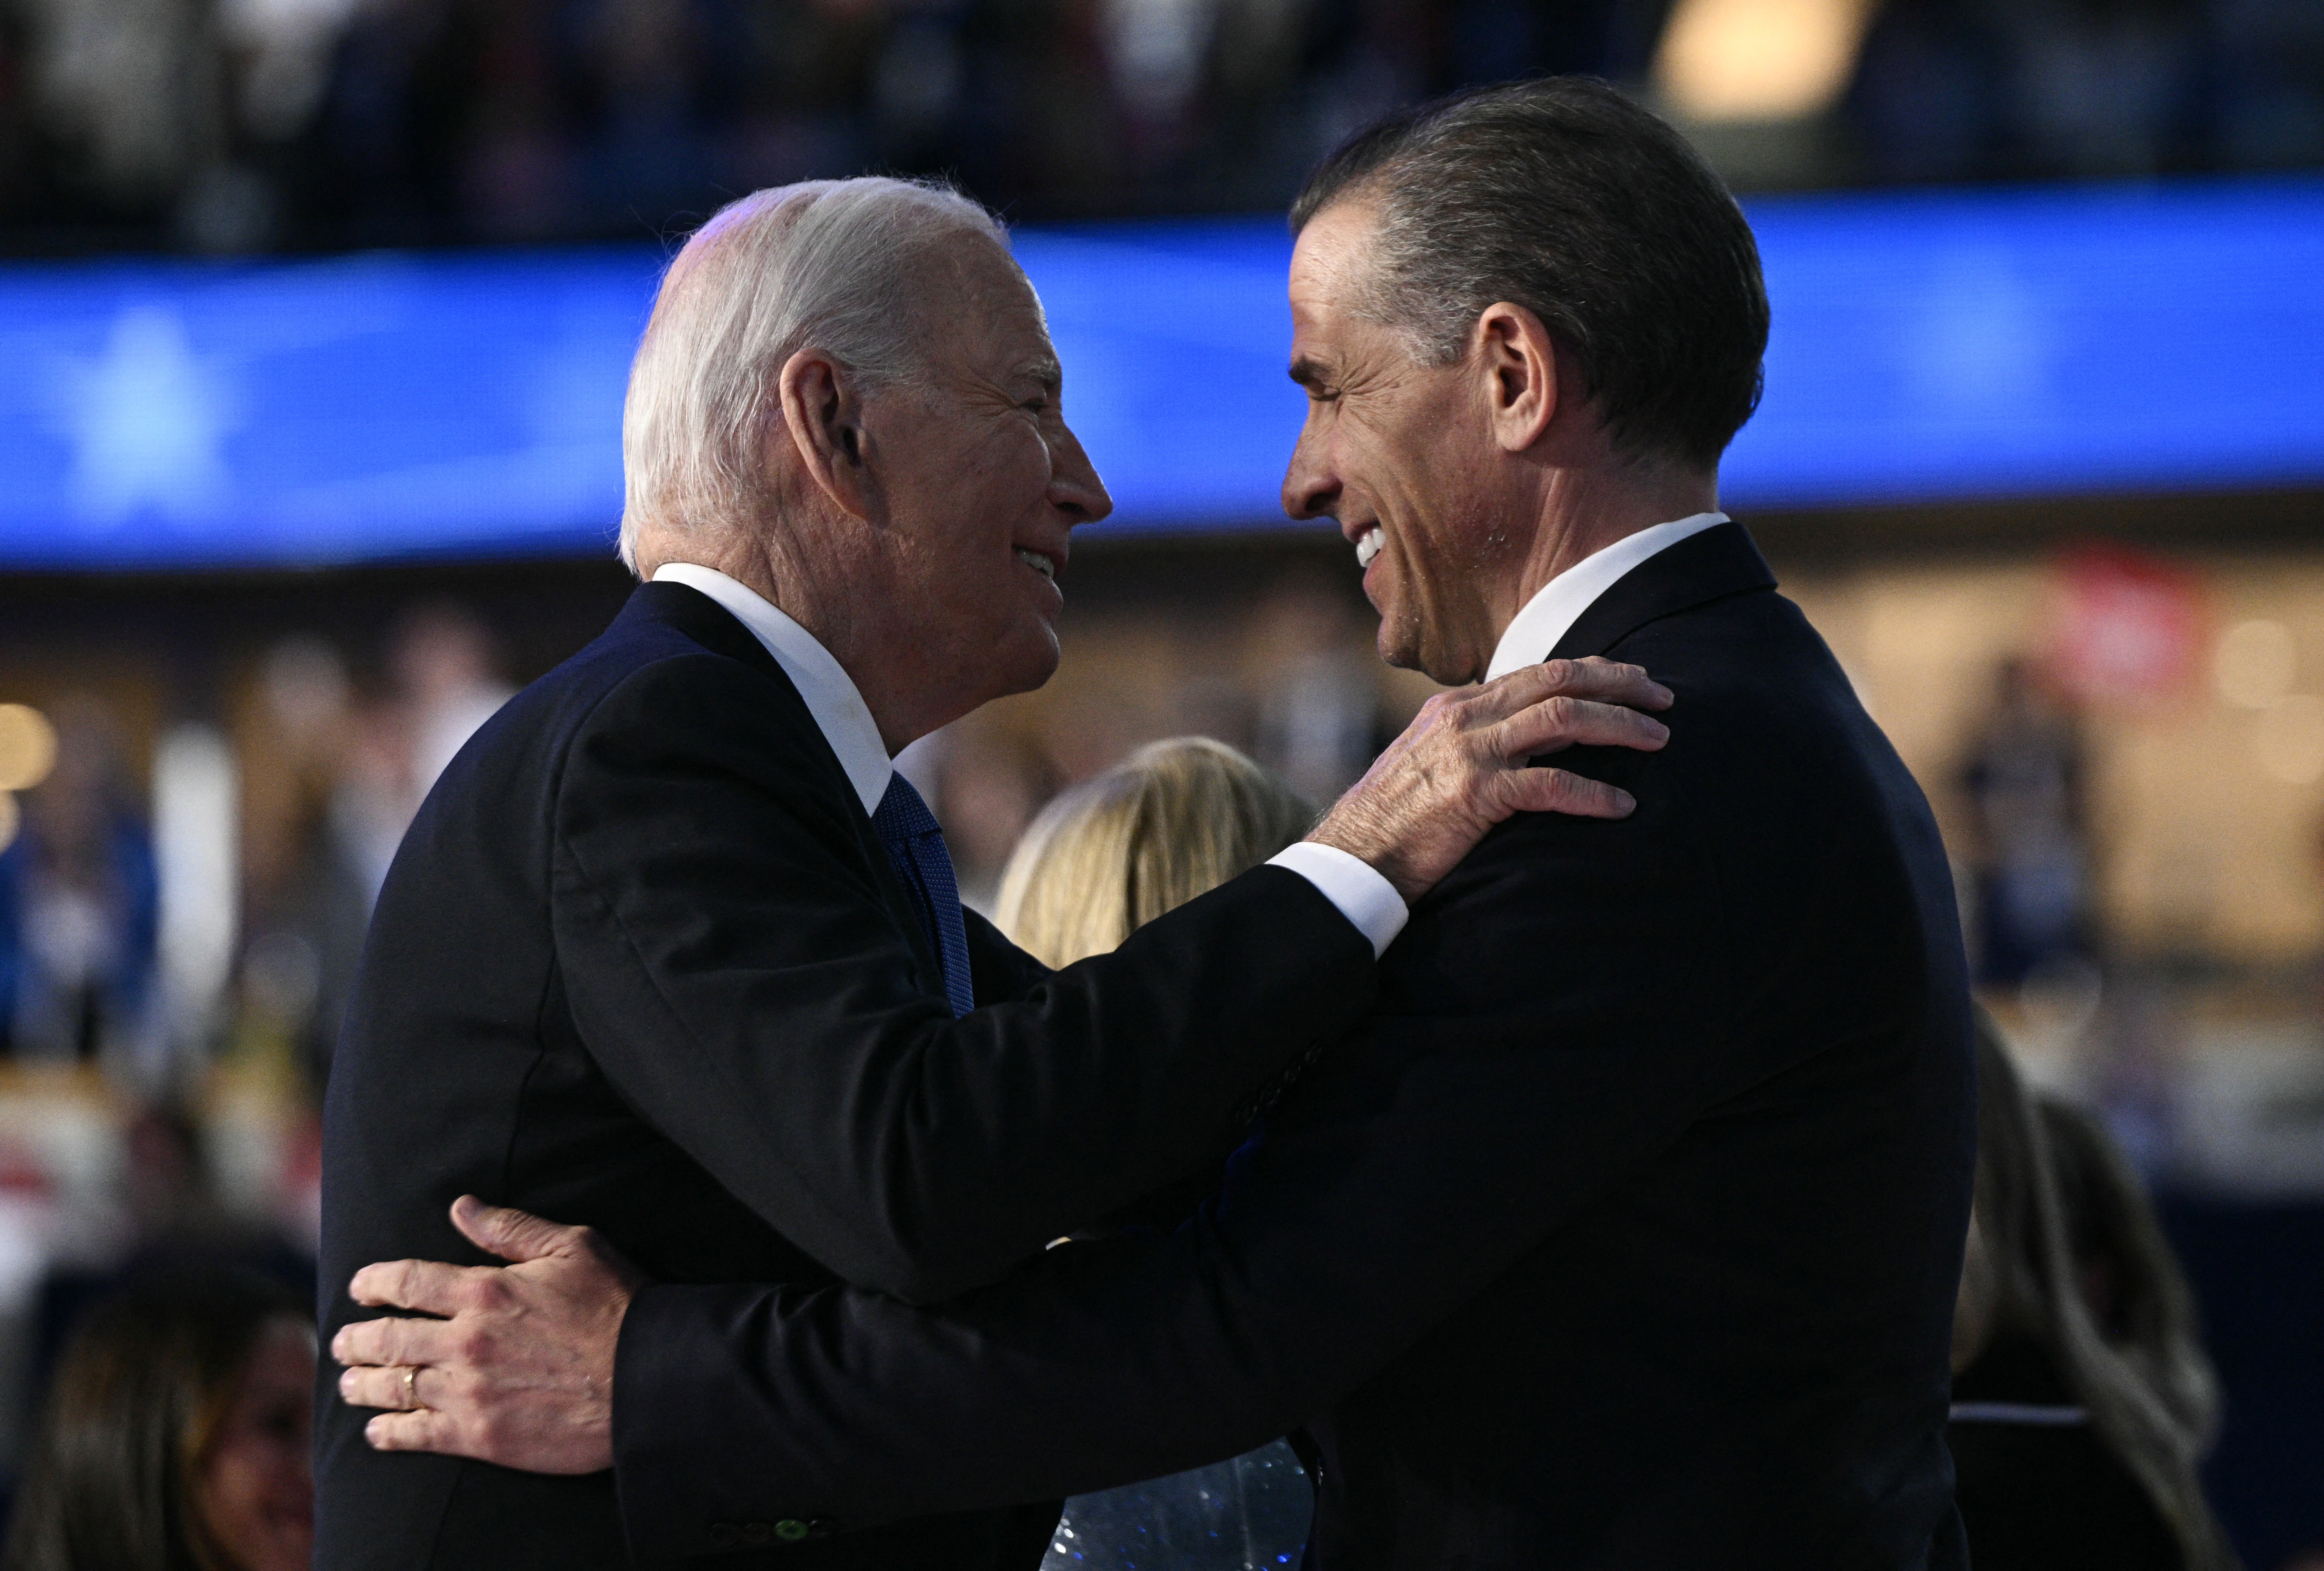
28	748
1758	59
2291	740
2254	663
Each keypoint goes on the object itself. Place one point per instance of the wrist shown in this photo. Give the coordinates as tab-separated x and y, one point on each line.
1365	841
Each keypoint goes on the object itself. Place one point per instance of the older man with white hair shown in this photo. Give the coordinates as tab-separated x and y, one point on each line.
672	951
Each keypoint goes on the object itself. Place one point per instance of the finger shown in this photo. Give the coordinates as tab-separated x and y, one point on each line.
386	1387
1595	678
508	1232
392	1342
423	1430
1560	790
426	1285
1563	722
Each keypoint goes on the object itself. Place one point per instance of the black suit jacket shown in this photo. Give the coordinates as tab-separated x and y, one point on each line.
641	963
1625	1234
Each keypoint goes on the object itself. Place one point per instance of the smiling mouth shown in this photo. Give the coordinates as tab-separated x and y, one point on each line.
1367	545
1039	562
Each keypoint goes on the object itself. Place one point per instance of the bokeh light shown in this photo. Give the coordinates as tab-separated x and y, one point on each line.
2254	663
28	748
1759	59
2291	740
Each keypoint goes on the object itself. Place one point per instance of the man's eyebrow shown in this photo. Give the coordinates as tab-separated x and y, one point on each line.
1309	371
1045	371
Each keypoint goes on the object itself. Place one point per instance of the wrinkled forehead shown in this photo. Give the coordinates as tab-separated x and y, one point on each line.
980	309
1330	265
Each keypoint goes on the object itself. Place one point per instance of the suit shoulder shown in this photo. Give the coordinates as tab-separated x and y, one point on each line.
666	707
1756	690
631	662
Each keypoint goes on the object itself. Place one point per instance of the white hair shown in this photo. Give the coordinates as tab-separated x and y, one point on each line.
827	264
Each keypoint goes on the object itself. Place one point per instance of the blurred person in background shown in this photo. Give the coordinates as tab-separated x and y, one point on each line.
442	687
166	1217
176	1434
2024	781
1173	820
1319	719
445	676
2083	1399
79	904
305	902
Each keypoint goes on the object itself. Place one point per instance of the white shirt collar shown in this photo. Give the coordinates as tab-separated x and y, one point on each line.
1560	603
839	710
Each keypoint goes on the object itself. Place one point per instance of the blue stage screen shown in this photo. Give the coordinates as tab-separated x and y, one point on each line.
1927	347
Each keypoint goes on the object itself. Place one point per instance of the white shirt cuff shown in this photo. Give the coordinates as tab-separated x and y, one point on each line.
1350	884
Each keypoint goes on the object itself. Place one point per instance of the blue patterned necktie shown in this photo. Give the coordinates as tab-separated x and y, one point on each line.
915	846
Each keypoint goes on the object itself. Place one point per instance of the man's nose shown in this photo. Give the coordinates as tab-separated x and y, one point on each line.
1310	489
1075	488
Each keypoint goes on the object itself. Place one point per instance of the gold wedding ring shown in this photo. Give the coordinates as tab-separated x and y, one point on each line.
411	1388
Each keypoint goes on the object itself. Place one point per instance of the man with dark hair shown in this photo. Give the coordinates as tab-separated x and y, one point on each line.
1565	197
1624	1233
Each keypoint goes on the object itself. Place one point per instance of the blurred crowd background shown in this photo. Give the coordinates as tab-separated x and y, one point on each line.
2117	704
237	126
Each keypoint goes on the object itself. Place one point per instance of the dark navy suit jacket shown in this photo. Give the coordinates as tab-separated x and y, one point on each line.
1623	1235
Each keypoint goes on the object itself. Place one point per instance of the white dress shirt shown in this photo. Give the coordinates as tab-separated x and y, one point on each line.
1558	603
1359	891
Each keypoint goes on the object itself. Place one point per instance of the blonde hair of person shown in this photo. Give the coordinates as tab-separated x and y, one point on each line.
2047	1174
1175	820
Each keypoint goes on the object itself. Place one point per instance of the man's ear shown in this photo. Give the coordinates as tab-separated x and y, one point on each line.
1518	360
823	417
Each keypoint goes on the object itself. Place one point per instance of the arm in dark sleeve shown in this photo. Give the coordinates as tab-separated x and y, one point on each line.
1415	1162
1001	971
737	969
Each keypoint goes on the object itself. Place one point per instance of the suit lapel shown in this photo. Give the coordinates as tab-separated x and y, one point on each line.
714	628
1720	561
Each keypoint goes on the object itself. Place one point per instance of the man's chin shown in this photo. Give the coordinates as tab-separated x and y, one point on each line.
1036	666
1400	644
1406	650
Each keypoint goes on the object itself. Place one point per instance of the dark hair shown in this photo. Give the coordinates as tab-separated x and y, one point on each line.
1563	197
139	1392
